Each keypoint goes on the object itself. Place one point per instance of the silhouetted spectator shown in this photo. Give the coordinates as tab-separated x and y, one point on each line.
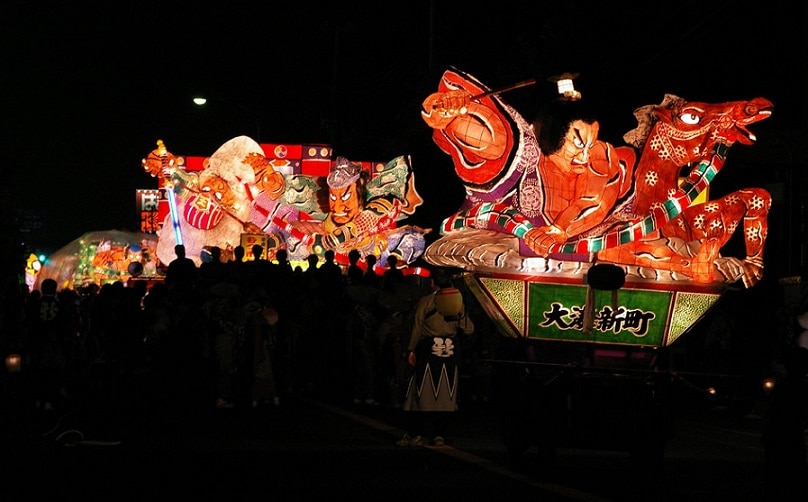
330	332
236	269
224	311
156	325
363	336
185	344
309	309
259	274
261	354
392	274
283	336
371	277
46	347
282	281
355	274
331	276
363	333
212	271
181	274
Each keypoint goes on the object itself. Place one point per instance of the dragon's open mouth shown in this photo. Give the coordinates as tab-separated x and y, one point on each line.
757	110
745	136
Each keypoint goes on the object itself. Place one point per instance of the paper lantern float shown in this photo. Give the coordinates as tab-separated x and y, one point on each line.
529	295
236	192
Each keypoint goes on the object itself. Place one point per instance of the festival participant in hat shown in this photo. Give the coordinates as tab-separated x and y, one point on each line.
440	320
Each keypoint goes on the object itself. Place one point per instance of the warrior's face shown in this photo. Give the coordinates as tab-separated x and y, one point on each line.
344	203
573	156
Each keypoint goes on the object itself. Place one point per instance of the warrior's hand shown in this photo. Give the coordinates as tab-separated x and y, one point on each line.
320	243
441	108
273	184
267	178
160	162
541	239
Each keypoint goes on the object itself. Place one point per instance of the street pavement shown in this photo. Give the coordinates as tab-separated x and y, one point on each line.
128	447
303	450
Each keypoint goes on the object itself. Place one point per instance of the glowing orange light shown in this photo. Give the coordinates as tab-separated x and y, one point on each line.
14	363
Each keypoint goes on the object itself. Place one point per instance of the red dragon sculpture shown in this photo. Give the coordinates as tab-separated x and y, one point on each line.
689	242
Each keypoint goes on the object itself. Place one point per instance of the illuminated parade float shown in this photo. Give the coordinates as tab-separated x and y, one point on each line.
592	256
561	236
567	238
291	197
100	257
597	255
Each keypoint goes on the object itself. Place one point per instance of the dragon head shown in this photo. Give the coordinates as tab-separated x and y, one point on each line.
690	128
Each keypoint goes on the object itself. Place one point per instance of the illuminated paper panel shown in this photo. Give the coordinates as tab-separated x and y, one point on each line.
555	311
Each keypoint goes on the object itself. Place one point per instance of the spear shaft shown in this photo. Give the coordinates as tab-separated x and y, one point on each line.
517	85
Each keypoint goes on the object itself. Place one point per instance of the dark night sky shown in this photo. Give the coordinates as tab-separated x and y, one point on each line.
89	90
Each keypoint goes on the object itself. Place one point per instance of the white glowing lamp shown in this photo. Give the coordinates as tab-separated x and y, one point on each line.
566	87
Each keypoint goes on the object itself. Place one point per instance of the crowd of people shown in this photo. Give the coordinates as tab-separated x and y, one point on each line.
252	332
244	332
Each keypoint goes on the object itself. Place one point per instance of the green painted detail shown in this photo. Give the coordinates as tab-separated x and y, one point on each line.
509	296
689	308
556	312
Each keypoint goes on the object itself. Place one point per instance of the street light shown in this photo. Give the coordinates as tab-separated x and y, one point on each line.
201	101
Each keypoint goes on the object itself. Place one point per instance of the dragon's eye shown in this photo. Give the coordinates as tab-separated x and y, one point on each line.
690	118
